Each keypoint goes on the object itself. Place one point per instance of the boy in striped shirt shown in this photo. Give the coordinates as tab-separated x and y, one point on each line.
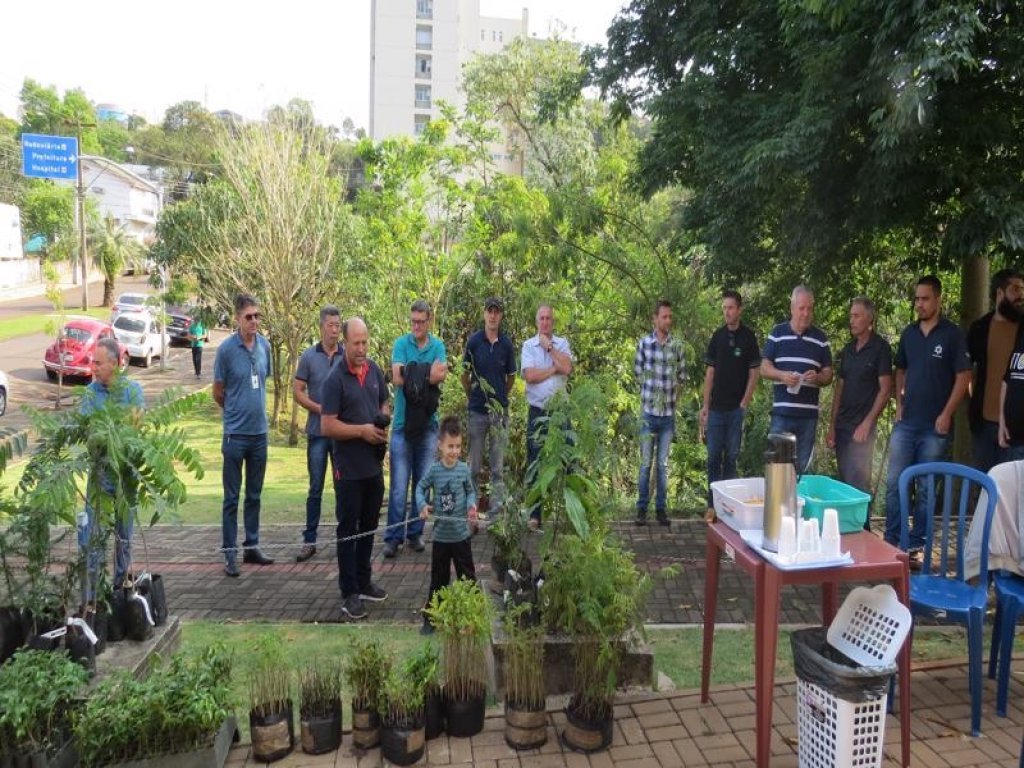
446	491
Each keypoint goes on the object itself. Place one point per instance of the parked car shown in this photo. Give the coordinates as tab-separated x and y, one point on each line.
5	389
140	333
129	302
77	345
178	321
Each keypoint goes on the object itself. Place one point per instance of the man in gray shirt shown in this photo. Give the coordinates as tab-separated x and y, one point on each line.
315	365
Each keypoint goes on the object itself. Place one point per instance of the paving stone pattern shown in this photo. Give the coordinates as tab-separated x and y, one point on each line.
197	587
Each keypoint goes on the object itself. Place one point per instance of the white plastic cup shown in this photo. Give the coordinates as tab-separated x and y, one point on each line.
795	388
808	537
830	523
787	536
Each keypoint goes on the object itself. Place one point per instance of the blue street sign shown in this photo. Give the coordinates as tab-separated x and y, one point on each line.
49	157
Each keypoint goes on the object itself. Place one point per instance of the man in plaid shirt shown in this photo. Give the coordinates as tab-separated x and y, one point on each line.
660	369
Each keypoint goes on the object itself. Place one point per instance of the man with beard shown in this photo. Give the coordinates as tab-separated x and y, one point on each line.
990	341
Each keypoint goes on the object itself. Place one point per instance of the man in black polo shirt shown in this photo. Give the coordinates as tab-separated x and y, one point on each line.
733	360
933	371
354	396
863	388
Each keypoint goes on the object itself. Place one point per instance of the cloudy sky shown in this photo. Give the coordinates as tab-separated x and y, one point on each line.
242	56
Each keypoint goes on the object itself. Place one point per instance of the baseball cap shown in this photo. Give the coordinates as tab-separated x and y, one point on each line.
494	303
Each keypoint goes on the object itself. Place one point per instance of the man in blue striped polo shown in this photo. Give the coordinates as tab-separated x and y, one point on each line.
798	359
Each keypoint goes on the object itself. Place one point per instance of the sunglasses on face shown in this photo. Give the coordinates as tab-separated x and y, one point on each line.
252	316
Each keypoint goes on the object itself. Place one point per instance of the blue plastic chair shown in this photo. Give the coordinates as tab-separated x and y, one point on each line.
940	587
1009	601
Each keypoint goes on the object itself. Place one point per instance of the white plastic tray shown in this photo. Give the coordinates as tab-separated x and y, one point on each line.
753	540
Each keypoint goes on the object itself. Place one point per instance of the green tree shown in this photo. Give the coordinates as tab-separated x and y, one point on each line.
809	131
49	209
44	111
112	249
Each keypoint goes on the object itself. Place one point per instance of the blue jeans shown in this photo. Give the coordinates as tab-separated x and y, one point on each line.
662	428
1013	453
318	449
724	432
250	450
90	540
805	429
409	462
908	446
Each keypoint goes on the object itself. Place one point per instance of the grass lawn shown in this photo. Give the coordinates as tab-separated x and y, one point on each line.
24	325
677	652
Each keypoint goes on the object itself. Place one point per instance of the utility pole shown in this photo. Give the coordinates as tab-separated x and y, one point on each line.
80	198
80	190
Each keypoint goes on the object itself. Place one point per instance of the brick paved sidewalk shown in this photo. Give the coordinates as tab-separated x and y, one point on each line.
674	729
187	558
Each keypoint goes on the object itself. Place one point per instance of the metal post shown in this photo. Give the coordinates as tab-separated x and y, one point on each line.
81	226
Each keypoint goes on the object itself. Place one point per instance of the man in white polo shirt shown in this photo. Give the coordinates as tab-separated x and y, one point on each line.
546	362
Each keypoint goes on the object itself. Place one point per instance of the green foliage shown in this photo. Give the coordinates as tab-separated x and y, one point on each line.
461	615
37	689
367	667
808	130
112	249
594	593
49	210
404	691
178	708
270	679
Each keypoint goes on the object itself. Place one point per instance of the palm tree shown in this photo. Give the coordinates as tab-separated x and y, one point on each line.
114	248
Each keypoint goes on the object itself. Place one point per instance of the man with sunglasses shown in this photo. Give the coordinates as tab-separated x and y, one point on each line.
240	373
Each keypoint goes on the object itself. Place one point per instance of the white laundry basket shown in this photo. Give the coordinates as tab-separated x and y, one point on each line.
834	731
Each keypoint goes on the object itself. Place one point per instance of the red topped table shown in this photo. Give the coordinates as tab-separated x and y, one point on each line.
873	560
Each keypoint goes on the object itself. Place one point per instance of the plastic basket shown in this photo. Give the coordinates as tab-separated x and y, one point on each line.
739	503
821	492
832	733
870	626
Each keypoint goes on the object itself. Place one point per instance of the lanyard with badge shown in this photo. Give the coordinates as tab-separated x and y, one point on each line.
254	375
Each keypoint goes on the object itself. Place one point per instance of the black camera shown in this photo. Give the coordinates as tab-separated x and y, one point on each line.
382	421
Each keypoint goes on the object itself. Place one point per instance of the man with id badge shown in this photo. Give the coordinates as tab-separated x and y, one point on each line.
240	373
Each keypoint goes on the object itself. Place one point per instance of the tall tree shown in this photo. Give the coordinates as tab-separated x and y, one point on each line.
112	248
809	130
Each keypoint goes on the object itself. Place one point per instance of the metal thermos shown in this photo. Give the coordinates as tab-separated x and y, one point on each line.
779	486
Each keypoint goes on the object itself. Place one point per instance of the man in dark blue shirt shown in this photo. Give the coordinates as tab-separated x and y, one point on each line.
933	372
240	373
488	376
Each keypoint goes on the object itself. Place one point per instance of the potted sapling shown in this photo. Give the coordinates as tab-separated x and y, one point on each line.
461	616
401	707
271	724
320	707
365	670
526	719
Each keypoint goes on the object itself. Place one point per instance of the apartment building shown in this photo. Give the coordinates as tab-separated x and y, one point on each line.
417	51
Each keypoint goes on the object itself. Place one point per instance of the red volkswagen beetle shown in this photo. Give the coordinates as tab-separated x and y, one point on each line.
77	344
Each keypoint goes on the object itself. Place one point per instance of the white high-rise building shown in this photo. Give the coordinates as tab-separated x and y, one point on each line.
417	50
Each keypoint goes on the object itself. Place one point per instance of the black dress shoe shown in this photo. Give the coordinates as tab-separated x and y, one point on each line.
256	557
231	569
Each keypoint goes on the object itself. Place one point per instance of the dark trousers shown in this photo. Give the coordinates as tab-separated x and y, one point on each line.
442	555
197	359
357	508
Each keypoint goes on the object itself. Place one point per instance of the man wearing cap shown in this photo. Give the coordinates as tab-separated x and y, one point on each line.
488	376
